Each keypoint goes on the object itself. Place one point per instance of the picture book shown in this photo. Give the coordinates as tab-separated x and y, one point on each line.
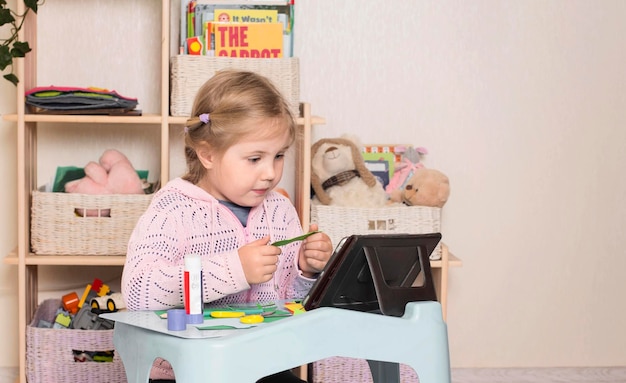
249	40
208	37
389	158
195	46
380	170
397	150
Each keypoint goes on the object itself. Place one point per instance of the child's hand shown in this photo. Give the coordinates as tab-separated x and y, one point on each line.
259	260
314	253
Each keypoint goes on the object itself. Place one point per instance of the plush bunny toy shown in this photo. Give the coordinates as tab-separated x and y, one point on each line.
339	176
113	174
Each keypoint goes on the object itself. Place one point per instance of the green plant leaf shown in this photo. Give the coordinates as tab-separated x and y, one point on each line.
20	49
12	78
11	47
5	16
32	4
5	57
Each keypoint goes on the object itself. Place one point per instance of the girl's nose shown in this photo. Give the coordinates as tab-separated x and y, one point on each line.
269	173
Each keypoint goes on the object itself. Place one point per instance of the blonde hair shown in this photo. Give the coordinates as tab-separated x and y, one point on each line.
234	101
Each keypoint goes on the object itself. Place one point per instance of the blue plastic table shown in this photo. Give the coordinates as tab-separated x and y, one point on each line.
418	339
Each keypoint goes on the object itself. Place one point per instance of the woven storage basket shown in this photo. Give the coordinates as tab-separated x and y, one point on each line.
49	356
190	72
350	370
339	221
57	229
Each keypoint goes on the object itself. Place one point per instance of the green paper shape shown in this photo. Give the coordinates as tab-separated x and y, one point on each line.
298	238
222	327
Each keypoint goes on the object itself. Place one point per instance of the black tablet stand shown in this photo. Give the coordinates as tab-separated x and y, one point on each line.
393	299
381	274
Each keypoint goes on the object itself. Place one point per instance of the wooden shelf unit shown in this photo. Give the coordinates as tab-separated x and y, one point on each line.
27	125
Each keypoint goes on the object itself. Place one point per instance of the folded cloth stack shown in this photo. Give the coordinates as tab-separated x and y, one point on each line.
72	100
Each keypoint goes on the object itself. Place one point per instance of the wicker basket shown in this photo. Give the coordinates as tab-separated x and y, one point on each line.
57	229
350	370
49	355
190	72
339	221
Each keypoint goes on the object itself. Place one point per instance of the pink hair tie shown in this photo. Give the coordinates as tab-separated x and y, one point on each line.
204	118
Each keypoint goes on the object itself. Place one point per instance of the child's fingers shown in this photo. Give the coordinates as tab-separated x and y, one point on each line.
260	242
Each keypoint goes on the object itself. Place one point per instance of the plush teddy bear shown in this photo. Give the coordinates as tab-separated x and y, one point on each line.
426	187
339	176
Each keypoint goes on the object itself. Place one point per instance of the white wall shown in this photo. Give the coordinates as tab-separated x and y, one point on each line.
522	105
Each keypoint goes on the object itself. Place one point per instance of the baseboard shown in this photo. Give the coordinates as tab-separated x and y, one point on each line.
490	375
540	375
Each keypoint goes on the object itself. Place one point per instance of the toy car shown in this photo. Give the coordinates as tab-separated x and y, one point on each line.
110	303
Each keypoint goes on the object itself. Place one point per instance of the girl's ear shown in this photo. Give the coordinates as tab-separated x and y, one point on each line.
206	156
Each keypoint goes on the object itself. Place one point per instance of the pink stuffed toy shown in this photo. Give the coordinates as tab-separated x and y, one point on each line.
114	174
405	169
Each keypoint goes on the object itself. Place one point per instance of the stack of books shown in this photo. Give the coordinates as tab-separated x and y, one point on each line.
242	29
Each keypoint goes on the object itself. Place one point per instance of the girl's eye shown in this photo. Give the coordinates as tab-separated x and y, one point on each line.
254	159
280	156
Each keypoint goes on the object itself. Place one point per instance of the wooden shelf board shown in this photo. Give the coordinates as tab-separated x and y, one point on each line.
145	119
453	261
315	120
245	2
67	260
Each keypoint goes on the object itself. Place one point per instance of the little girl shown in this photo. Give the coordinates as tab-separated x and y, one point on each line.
224	209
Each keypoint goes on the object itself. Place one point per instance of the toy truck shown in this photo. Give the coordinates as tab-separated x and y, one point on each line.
113	302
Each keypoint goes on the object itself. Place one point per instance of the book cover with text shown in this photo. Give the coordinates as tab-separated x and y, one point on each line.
248	40
245	15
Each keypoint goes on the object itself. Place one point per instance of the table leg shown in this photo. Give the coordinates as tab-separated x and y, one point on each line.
384	372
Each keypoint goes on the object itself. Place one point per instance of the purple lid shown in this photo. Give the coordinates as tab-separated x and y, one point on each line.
176	320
